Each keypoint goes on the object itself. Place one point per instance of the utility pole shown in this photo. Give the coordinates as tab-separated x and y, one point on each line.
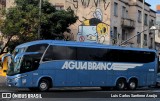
39	26
142	34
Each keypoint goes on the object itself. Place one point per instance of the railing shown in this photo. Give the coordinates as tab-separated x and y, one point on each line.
128	23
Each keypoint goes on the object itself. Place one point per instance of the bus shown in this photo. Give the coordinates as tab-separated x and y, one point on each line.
3	65
44	64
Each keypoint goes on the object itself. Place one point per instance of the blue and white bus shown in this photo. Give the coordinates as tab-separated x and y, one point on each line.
46	64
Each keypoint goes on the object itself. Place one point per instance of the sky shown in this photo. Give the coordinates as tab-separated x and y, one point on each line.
153	3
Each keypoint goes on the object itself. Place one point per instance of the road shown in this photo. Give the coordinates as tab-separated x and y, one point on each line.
2	81
85	94
81	94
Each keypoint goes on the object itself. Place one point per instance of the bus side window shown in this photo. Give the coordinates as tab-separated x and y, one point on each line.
60	53
49	54
37	48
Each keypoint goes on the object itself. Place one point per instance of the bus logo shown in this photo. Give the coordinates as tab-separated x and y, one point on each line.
98	66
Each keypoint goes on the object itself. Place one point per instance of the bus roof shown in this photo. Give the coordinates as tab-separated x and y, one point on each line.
34	43
80	44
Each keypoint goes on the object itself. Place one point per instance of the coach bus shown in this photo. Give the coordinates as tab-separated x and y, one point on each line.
44	64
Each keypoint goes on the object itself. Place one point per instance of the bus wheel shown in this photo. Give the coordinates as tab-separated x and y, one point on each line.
44	85
121	84
132	85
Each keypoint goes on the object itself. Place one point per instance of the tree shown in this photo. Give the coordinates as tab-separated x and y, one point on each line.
22	21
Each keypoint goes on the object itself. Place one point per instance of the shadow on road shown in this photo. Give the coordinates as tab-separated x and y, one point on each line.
86	89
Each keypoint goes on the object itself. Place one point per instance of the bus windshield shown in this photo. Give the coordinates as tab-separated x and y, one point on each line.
26	63
14	67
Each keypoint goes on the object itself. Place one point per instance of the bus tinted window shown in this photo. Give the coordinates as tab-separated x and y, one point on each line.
89	54
134	56
114	55
97	54
37	48
60	53
30	62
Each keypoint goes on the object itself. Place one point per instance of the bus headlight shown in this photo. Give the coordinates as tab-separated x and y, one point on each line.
23	81
19	77
16	79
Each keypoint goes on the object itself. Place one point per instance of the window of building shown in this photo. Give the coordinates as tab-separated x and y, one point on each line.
115	9
152	23
145	40
145	19
123	12
138	38
126	13
115	33
151	46
158	33
139	16
124	35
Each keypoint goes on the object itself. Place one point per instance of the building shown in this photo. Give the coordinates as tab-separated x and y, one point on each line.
110	21
157	32
9	3
158	15
2	7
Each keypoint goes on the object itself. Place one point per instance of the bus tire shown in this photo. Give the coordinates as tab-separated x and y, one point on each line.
44	85
132	85
121	84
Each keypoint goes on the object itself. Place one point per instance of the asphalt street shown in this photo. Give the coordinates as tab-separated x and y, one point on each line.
81	94
2	81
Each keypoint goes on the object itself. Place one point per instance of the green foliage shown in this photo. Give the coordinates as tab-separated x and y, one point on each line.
22	21
59	23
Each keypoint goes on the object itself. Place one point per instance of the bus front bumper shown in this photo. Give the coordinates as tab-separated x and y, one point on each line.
15	81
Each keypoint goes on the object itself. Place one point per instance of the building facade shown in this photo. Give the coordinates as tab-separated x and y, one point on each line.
2	7
157	32
9	3
110	21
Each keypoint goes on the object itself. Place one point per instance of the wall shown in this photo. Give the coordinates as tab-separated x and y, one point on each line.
96	20
93	24
9	3
116	21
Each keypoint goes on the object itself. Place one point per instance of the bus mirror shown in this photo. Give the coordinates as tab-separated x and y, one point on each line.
3	57
22	54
